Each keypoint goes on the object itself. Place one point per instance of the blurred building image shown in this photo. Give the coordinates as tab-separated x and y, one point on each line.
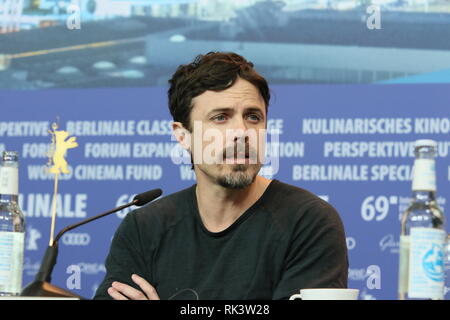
10	15
104	43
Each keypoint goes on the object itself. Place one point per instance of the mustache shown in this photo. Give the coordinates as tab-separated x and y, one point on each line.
239	150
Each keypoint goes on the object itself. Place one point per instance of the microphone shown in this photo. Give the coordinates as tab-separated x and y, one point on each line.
41	286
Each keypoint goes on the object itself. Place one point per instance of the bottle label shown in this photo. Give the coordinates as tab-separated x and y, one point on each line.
9	182
11	261
424	175
426	263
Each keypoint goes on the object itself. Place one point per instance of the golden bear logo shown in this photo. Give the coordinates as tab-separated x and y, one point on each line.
60	147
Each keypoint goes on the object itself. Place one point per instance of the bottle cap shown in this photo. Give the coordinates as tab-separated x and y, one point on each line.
425	143
10	156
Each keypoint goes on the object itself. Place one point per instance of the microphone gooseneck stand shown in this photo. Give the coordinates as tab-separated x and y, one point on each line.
41	286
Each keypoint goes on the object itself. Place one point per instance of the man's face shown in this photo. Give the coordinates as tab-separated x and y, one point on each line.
227	140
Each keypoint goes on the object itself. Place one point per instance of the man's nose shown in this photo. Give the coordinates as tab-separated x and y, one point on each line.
241	138
240	131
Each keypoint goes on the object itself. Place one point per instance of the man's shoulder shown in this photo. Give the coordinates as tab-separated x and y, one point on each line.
289	202
167	210
290	196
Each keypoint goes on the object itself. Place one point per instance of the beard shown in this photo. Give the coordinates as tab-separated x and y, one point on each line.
233	175
242	176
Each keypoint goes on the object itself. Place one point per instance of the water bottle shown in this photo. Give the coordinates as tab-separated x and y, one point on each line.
423	236
12	227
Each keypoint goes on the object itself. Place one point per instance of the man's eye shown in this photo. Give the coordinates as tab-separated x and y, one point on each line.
254	117
220	118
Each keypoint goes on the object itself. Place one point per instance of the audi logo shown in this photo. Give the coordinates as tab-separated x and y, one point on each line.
76	239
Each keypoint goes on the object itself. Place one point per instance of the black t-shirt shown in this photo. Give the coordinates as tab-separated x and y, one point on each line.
287	240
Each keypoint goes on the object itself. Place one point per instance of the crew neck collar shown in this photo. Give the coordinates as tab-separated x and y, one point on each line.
258	203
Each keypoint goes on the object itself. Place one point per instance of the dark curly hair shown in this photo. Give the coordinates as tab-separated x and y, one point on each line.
213	71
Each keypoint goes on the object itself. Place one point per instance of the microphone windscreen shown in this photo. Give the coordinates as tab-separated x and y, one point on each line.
146	197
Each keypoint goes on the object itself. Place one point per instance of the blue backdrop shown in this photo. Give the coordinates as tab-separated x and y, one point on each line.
369	182
349	100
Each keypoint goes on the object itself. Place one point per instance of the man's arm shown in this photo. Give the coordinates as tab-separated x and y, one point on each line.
317	256
125	258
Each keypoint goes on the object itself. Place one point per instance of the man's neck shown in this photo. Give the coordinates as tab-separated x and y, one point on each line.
219	207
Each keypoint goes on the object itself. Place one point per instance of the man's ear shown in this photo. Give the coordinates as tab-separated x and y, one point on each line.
182	135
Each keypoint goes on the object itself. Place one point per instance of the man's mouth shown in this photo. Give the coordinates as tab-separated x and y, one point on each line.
237	158
241	155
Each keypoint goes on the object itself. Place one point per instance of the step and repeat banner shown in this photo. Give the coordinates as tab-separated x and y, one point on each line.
353	86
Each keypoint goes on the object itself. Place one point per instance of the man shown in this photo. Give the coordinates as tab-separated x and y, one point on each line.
234	234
